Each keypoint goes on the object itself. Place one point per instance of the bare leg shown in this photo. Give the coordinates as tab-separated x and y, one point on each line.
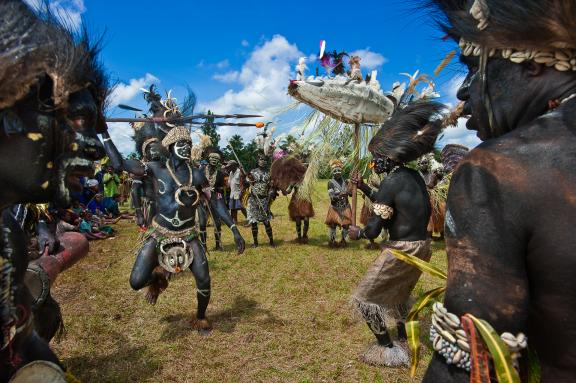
201	273
298	222
344	234
217	232
384	352
143	273
332	235
269	233
255	234
305	232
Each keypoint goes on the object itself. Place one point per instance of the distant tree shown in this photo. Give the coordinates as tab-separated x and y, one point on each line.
288	141
211	130
249	158
237	143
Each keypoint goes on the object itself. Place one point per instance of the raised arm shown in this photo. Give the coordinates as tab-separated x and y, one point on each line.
117	161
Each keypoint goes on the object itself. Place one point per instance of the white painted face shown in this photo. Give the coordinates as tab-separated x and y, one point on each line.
182	149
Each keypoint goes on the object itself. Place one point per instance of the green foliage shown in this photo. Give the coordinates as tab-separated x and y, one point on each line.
245	152
211	130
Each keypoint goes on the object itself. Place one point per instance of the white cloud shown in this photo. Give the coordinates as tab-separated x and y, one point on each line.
245	43
369	60
451	88
228	77
124	92
223	64
69	11
459	135
121	133
263	79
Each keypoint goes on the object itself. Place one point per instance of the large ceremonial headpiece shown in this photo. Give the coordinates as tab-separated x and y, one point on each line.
517	30
409	133
286	171
176	134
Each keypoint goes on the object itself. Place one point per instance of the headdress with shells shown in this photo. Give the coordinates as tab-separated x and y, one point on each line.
517	30
176	134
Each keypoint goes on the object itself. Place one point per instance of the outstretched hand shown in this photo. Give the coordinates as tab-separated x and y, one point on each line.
354	232
240	243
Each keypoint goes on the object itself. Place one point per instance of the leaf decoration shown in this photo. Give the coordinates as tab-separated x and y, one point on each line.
424	301
505	371
413	335
424	266
413	325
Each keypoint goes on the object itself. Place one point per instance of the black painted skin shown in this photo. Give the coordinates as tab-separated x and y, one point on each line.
510	216
165	187
145	189
222	214
25	165
403	190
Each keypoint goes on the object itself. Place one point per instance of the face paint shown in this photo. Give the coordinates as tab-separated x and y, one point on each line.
213	160
182	149
153	151
51	150
382	164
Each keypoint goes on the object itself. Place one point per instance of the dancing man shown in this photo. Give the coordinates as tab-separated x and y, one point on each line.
215	179
261	195
287	174
402	206
235	184
172	241
339	212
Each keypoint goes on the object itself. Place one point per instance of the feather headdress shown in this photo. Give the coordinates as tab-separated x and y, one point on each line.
35	46
409	133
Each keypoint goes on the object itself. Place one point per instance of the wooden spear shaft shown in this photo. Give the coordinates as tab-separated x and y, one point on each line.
355	168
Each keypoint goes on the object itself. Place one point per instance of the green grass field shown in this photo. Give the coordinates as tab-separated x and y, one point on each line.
279	315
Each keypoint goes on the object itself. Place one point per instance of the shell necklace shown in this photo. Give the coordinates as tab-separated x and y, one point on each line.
181	187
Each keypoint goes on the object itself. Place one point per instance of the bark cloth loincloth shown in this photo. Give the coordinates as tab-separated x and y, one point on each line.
389	281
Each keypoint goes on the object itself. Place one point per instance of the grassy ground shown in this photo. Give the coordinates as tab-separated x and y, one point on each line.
279	315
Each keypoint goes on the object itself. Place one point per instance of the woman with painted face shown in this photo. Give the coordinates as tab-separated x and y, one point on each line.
401	205
52	93
339	212
261	195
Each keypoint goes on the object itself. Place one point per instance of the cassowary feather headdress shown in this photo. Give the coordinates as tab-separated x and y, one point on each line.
35	46
410	133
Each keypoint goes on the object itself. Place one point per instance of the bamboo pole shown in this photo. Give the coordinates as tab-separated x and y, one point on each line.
355	169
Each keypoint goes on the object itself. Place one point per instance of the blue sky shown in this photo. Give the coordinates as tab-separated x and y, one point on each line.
238	56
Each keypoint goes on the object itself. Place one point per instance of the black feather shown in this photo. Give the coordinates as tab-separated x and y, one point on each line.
410	133
519	24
